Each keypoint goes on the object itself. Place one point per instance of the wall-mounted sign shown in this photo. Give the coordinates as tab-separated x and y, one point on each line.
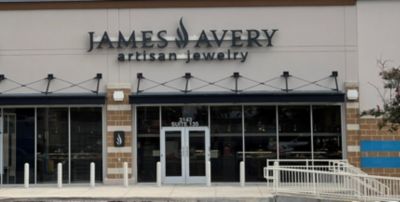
148	45
185	122
119	138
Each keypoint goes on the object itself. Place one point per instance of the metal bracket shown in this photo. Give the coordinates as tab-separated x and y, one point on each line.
139	76
286	75
236	76
187	76
49	78
335	75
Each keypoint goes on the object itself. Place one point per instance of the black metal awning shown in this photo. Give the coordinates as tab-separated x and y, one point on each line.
59	99
196	98
324	90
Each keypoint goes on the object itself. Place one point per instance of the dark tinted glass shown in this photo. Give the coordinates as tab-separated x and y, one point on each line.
18	144
226	143
197	153
294	132
86	143
148	120
327	132
52	143
173	153
260	139
148	142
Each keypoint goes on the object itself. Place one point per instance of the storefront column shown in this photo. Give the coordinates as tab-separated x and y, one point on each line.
119	120
353	127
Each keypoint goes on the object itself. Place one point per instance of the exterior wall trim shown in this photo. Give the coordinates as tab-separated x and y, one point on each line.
119	149
119	107
353	148
166	4
126	128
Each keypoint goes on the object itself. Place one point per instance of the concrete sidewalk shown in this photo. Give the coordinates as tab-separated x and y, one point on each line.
137	193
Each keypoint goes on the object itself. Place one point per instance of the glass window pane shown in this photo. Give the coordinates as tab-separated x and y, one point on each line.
18	144
260	139
86	143
294	132
148	120
181	116
52	143
173	153
226	143
148	142
327	132
197	153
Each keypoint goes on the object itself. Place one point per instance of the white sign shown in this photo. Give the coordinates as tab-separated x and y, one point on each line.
185	122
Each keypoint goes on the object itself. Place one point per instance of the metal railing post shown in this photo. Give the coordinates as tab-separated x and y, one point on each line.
92	174
59	175
208	173
26	175
307	169
314	185
158	174
276	177
359	181
125	175
365	188
242	174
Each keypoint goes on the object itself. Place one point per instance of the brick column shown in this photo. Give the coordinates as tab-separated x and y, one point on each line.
353	127
119	118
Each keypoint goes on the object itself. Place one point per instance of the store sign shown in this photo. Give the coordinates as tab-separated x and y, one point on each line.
119	138
208	45
185	122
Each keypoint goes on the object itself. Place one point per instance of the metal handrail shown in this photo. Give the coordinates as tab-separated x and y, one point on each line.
339	183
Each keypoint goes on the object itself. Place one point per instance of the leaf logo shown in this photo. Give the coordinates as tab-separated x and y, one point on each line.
183	38
119	139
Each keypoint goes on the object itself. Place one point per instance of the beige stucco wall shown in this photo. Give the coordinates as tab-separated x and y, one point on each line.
311	42
378	34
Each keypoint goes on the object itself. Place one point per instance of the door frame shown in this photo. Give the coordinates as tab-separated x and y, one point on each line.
197	179
185	177
175	179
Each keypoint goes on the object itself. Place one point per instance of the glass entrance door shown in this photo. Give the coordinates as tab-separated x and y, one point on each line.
184	153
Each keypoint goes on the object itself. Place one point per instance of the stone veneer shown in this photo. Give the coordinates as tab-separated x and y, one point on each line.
119	118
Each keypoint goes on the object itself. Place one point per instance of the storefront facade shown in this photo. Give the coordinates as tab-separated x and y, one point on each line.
180	86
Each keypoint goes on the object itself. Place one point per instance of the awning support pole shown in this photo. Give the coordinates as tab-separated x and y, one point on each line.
335	75
286	75
236	75
187	76
139	76
49	78
98	78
